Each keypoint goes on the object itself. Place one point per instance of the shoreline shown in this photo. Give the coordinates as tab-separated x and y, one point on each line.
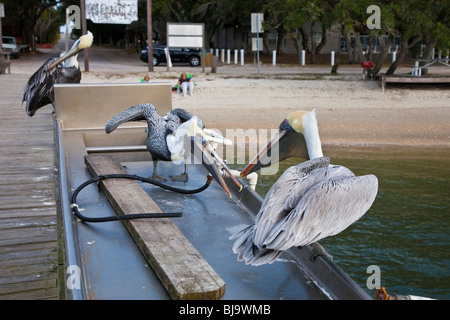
350	112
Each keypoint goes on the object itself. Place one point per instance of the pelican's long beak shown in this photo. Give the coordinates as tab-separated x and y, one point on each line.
285	143
79	45
203	150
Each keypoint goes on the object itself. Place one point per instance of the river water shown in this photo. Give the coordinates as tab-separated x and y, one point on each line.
406	232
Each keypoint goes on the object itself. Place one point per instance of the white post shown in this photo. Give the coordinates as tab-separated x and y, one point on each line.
303	57
228	56
211	50
235	56
169	61
222	55
242	57
217	52
332	58
394	53
439	54
274	57
257	40
415	72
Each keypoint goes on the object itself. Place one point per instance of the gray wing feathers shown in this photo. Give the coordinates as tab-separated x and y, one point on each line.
308	202
38	90
284	195
325	210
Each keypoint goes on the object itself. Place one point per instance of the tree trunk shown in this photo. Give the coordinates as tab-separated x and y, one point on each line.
313	42
323	41
358	55
427	54
297	45
384	48
305	40
280	35
348	39
401	55
370	52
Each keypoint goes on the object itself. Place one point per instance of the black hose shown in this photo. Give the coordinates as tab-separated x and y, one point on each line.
99	178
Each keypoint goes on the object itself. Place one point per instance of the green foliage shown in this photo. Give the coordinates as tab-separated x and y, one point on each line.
427	21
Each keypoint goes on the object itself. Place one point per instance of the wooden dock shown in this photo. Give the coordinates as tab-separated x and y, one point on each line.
28	221
413	80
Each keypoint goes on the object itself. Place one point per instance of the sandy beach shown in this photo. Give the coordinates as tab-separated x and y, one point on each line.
349	111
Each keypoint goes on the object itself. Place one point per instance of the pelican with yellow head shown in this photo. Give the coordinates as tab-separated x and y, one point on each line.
297	136
310	201
38	91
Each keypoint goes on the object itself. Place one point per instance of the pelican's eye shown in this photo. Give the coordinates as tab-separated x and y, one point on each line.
295	120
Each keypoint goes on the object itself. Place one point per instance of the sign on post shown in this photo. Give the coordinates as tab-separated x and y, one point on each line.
257	19
256	22
186	35
112	11
257	44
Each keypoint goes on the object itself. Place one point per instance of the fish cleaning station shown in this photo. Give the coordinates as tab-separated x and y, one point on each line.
185	257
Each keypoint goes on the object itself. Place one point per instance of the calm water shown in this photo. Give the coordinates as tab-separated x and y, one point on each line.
406	232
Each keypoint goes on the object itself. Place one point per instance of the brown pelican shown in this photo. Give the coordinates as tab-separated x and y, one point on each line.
39	90
310	201
162	136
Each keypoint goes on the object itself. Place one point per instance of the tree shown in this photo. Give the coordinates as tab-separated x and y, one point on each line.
417	21
22	17
275	13
352	17
300	17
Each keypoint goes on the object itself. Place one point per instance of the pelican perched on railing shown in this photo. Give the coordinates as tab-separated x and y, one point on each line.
164	144
39	90
309	202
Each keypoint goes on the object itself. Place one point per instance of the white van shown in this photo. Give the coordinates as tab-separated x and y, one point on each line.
10	44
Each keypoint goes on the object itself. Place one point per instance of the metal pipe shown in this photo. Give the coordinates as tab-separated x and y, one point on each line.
72	258
137	148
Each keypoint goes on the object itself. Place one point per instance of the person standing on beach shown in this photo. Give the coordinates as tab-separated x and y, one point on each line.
185	83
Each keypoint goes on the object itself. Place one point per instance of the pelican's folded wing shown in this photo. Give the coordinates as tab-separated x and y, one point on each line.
325	210
38	91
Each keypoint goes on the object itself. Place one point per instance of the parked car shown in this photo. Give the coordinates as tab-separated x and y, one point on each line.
191	56
10	44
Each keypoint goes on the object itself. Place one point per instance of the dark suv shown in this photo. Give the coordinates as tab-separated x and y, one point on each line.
176	55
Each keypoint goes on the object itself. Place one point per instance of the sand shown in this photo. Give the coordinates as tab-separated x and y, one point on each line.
349	111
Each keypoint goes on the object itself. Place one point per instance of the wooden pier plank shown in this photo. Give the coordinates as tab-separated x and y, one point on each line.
413	80
183	271
28	236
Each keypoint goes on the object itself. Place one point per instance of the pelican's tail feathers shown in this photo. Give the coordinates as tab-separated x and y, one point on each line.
138	112
248	252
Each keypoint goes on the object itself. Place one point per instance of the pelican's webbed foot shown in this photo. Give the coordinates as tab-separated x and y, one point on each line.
158	177
155	175
319	251
183	177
